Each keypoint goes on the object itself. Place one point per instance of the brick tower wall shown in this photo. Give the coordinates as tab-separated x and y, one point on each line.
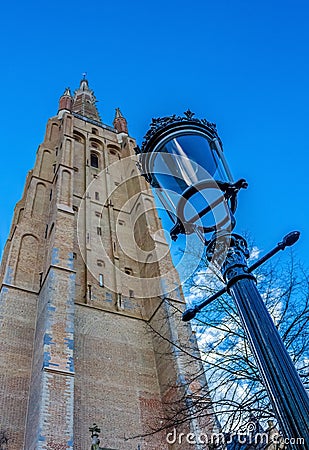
77	315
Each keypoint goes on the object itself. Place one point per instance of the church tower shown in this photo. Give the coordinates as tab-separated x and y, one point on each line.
90	305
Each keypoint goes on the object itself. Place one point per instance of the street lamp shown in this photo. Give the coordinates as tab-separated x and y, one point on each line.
182	158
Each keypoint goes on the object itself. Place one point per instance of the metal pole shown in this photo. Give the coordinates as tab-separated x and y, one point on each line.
285	389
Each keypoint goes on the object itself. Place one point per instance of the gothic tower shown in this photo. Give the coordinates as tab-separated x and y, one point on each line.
90	302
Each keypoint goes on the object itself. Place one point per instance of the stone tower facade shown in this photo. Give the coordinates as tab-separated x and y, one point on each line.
90	304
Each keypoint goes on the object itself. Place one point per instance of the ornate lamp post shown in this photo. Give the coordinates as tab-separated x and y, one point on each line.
182	158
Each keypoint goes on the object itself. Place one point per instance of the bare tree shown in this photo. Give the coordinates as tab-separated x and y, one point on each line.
234	383
232	390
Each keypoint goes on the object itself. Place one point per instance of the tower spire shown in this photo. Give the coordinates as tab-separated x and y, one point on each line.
120	122
85	102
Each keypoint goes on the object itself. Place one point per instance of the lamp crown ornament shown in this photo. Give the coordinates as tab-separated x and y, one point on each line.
158	125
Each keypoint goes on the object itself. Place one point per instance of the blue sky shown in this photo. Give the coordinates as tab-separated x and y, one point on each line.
243	65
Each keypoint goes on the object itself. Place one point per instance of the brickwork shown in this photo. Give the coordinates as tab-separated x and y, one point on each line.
17	325
53	365
115	379
86	335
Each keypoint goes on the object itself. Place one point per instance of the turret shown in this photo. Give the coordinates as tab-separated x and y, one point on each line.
65	102
120	123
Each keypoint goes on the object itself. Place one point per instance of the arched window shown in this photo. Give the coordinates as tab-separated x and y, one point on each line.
94	160
79	137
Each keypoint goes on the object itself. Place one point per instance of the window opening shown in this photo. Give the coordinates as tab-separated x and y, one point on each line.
94	160
101	280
